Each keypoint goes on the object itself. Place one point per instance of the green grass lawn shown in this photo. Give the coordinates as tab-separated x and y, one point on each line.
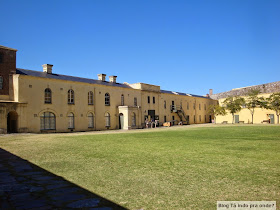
187	168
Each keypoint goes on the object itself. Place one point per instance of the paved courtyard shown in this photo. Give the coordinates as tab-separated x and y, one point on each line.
24	185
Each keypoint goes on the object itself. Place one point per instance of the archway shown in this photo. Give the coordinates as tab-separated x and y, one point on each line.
121	121
12	122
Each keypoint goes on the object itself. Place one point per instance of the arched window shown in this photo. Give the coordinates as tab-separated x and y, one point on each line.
107	99
71	120
164	104
1	82
135	101
48	96
107	119
148	99
133	119
90	98
70	96
90	120
154	100
47	121
122	100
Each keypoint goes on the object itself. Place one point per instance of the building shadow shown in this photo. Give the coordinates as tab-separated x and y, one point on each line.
24	185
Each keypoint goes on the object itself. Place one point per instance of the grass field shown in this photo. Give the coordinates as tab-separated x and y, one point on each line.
189	168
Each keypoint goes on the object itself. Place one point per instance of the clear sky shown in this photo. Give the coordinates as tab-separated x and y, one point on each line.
182	45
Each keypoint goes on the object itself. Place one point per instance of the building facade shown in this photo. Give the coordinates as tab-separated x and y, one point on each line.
42	101
244	116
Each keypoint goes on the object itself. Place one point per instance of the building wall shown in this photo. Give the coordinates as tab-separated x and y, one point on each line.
29	91
245	115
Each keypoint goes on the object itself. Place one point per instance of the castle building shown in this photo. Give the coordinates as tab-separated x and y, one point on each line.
43	101
261	115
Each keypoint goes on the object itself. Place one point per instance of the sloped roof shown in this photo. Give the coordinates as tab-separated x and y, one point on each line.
68	78
181	94
90	81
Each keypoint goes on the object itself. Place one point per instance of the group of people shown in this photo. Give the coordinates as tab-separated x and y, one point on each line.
151	123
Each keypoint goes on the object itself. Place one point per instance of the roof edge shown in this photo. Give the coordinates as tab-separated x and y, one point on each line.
7	48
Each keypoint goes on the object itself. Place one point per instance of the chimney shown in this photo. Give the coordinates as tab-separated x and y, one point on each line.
210	92
101	77
113	79
47	68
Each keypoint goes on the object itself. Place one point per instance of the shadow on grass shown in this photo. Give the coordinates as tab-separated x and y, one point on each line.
24	185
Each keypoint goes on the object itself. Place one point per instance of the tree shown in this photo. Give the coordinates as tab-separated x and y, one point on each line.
254	101
216	110
234	104
274	104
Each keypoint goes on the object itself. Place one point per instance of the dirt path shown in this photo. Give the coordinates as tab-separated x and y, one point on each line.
159	129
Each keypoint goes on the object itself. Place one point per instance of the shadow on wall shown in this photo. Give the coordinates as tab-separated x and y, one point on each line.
24	185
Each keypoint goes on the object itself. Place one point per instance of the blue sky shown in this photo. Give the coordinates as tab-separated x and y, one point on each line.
182	45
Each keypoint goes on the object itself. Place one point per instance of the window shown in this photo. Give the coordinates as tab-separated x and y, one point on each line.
188	106
199	118
47	121
194	118
70	120
90	98
204	106
164	104
90	120
48	96
148	99
107	99
154	100
164	118
199	107
70	96
107	119
122	100
1	82
135	101
133	119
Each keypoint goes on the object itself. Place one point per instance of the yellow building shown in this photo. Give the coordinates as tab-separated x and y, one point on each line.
33	101
244	116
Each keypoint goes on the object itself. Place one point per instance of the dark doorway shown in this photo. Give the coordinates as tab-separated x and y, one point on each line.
210	118
12	119
152	114
121	121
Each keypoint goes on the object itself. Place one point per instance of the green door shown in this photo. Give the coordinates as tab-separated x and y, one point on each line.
271	116
236	118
